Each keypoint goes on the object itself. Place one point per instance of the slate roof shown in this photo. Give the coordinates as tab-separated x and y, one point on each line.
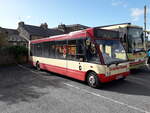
70	28
78	25
16	38
39	31
11	31
13	35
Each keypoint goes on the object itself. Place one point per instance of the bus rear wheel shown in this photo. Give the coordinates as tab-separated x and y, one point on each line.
38	66
93	80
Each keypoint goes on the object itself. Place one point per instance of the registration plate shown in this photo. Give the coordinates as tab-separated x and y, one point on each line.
119	77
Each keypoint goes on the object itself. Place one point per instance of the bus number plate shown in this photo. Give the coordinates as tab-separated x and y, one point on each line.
119	77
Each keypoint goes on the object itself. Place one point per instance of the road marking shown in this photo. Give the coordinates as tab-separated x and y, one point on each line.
109	99
95	94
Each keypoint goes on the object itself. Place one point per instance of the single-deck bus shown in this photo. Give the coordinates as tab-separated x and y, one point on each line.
92	55
133	41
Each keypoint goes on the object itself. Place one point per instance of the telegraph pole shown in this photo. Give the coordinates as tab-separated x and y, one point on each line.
145	10
145	17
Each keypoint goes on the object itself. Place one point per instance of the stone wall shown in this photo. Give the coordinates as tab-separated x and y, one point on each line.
7	58
4	60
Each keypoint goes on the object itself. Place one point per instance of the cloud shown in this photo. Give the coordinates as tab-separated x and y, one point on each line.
24	18
136	13
28	17
119	3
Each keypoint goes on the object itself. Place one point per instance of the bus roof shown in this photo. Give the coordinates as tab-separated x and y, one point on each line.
76	34
116	26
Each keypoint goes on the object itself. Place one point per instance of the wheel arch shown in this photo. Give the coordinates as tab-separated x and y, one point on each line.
86	74
36	62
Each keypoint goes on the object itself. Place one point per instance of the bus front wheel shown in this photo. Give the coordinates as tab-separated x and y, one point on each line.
148	64
93	80
38	66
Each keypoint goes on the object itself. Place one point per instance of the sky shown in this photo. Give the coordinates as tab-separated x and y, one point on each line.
86	12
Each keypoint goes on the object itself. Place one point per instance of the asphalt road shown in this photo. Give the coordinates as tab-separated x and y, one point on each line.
25	90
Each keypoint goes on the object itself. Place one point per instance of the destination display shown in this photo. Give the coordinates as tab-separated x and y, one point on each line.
101	33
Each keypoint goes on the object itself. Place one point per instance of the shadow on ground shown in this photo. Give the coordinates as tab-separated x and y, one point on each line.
18	84
21	85
138	83
132	85
127	87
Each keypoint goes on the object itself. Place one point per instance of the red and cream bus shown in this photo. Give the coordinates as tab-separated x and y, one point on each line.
93	55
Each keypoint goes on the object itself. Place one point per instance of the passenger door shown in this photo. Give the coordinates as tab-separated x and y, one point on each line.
57	57
75	57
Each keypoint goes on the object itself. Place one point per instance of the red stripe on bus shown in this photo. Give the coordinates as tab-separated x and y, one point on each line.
116	68
80	75
136	63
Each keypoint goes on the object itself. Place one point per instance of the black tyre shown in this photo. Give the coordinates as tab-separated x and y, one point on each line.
148	61
148	64
93	80
38	66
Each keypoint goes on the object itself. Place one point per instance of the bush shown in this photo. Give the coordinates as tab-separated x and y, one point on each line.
20	53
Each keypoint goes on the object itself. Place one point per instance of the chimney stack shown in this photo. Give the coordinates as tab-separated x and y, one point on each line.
21	23
44	26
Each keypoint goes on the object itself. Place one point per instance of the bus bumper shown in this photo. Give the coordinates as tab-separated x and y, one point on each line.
105	79
137	64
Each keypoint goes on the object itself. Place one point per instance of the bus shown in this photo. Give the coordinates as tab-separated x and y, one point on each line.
147	43
92	55
132	39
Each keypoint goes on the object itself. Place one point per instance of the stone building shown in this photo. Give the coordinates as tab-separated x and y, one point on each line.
30	32
3	41
25	33
70	28
11	37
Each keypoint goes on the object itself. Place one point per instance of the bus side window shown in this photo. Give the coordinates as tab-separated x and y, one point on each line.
39	50
45	49
60	49
52	49
34	50
71	50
